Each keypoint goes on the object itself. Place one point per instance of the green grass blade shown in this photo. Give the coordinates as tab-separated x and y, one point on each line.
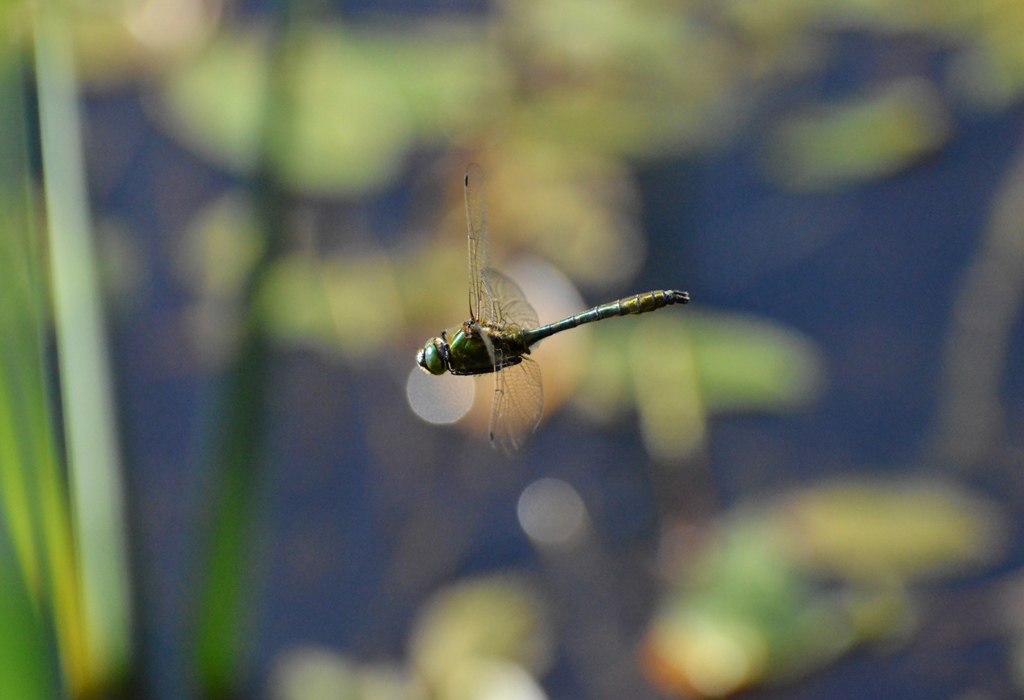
28	464
26	663
89	424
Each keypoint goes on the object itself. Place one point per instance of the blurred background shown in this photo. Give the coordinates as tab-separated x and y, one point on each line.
227	227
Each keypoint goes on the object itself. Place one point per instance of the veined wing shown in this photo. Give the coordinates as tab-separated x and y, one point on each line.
518	405
481	301
497	300
513	310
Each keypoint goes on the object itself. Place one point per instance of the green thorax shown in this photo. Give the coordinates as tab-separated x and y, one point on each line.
469	351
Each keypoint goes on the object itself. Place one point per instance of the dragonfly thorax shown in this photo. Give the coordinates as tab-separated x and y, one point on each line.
472	348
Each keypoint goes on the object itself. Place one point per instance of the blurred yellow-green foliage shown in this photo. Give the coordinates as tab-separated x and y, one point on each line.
569	79
479	621
753	604
863	138
482	637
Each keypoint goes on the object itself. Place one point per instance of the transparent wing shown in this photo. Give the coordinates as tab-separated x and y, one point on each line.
481	301
513	310
518	405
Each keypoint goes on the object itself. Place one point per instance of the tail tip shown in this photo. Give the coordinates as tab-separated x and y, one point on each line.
681	297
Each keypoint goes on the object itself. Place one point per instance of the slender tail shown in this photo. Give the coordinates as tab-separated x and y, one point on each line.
637	304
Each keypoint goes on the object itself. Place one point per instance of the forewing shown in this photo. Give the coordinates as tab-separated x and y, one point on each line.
514	311
518	405
481	302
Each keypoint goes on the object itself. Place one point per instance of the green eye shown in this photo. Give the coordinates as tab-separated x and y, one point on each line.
429	358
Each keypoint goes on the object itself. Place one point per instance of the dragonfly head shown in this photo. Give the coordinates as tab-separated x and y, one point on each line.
433	357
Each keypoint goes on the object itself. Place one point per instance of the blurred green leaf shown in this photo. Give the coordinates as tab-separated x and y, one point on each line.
214	261
214	102
844	142
335	304
668	396
785	586
890	533
330	303
452	81
746	363
744	614
678	368
350	123
618	78
359	100
220	249
989	73
629	125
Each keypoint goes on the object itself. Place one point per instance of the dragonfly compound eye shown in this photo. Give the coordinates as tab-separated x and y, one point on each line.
430	359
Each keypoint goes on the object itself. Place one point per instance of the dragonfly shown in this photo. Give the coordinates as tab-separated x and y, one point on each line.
503	327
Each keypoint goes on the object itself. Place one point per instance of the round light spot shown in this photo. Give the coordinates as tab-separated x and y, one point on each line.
551	512
441	399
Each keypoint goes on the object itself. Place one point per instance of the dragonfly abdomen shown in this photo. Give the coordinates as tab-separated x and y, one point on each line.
636	304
